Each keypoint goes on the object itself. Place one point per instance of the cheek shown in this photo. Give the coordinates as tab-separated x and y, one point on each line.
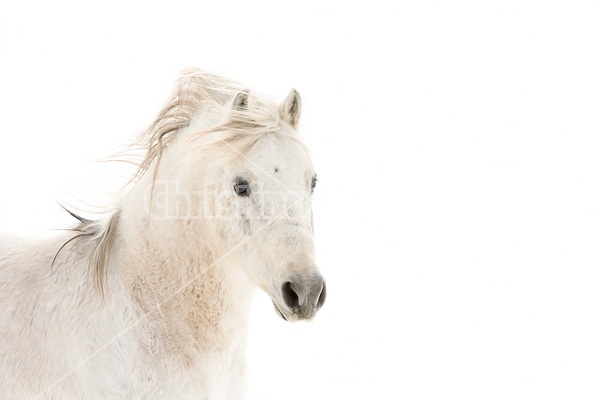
245	217
245	222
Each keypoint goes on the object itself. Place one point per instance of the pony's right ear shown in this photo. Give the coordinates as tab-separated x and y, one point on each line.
290	109
240	102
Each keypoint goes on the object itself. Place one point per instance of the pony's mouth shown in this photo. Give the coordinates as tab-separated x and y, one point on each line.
279	311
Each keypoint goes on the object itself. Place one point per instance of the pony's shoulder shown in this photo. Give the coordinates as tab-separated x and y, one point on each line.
35	248
33	239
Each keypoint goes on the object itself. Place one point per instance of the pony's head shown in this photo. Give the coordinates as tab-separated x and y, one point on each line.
234	176
269	193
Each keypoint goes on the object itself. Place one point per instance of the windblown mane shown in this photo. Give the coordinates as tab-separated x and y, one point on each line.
202	101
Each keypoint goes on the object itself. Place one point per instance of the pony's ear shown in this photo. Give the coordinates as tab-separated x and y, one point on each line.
290	109
240	102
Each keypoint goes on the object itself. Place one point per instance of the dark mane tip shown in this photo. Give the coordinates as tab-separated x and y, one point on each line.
84	221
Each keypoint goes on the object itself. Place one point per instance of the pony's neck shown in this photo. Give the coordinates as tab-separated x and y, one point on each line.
196	296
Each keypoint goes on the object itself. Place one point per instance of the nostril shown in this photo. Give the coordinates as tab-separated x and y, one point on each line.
322	297
290	296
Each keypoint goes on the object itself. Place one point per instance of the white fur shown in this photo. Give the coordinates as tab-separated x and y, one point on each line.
152	303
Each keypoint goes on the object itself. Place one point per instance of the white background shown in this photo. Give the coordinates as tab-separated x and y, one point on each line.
457	147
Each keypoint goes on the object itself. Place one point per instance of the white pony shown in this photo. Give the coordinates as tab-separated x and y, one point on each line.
152	302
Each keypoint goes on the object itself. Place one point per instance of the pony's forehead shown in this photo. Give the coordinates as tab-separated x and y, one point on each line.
281	152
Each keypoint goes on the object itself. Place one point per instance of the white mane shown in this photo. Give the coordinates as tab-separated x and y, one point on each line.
203	102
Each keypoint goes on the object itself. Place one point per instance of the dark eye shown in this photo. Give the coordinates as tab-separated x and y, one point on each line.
313	184
241	187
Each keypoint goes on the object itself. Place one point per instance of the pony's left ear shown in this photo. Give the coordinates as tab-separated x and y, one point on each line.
290	109
240	102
